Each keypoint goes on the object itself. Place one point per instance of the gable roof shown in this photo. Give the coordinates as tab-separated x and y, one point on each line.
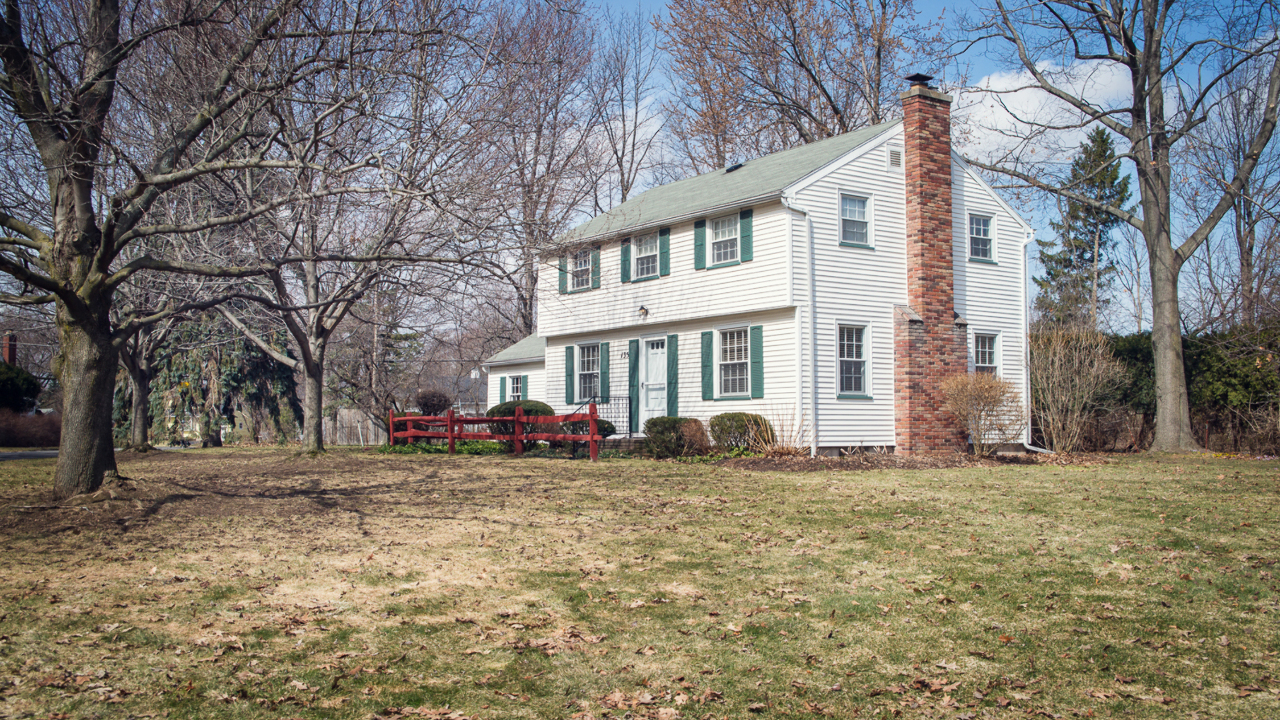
530	348
756	179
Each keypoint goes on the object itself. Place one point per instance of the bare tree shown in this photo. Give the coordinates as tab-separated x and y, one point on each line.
755	76
1069	53
1071	369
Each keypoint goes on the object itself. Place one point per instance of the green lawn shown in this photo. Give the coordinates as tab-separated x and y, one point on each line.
235	583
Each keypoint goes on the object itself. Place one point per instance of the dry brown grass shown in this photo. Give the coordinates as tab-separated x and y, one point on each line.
240	583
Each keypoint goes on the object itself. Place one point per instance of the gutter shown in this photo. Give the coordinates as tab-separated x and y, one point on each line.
700	212
789	203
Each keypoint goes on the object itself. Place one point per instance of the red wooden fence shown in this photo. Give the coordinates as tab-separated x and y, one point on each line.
419	426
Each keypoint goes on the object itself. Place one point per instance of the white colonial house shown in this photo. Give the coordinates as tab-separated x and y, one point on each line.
828	287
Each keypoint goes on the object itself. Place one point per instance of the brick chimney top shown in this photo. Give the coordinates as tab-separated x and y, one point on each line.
9	348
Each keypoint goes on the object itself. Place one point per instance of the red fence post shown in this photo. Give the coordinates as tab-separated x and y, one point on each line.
391	427
591	423
449	420
519	436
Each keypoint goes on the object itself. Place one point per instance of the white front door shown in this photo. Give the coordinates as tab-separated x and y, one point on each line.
653	385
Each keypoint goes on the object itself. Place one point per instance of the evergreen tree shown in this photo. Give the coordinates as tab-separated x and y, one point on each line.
1077	263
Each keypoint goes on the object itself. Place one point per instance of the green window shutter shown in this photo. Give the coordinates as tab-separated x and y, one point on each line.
626	260
664	251
633	383
595	267
700	245
524	388
564	275
673	376
708	366
604	372
745	250
568	375
502	389
757	361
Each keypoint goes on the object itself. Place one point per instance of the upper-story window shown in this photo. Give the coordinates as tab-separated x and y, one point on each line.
724	240
855	225
646	252
517	388
582	269
980	247
984	354
588	372
735	353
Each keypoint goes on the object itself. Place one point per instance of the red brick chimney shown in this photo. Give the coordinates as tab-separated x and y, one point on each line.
930	340
9	349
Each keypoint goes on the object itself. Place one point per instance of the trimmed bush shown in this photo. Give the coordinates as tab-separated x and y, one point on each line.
18	388
582	427
433	403
29	430
508	409
741	430
665	436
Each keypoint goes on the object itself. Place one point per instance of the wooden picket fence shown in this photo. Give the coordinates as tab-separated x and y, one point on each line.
454	428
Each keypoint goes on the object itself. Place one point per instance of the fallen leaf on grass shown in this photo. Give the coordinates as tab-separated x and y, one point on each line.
757	707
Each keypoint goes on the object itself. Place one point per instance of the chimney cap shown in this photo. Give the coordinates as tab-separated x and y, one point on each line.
919	79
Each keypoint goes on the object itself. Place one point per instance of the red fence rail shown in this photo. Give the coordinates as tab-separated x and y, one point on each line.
421	426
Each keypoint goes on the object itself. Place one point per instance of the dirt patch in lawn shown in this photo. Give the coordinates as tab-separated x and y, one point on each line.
859	461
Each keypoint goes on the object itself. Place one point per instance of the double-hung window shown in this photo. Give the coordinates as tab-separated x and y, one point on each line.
588	372
853	362
517	391
724	240
980	247
646	252
984	354
735	353
855	228
582	269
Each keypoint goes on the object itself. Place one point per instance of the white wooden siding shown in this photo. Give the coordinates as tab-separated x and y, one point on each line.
990	296
685	294
778	348
537	380
854	286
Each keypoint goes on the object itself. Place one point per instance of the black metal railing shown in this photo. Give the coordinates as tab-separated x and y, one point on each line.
616	410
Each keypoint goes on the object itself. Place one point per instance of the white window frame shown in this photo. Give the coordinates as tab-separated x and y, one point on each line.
720	362
865	392
579	373
636	256
995	352
515	388
577	273
991	236
733	222
870	218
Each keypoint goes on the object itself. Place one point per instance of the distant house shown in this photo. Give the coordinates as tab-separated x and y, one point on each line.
829	287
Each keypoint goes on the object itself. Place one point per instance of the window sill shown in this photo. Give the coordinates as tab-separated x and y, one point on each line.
984	261
647	278
733	398
853	396
731	263
862	246
579	290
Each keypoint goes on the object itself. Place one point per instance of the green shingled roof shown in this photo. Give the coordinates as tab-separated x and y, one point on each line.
530	348
759	178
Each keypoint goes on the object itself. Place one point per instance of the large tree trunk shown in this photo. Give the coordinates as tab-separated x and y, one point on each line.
140	411
313	406
86	366
1173	410
210	429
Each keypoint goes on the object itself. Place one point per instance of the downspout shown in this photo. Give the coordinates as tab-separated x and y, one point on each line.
1026	345
813	396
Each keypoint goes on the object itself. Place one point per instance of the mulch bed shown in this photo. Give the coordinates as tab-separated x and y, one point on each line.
895	461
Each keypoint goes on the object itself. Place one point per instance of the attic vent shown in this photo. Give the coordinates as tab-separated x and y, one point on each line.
731	168
895	158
